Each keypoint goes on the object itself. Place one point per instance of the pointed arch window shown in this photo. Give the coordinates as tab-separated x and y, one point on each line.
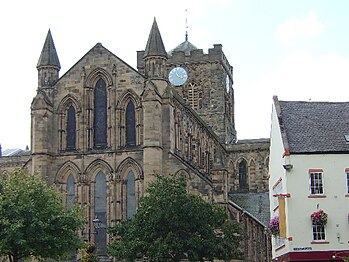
243	185
130	195
193	95
71	128
100	115
70	198
100	211
130	124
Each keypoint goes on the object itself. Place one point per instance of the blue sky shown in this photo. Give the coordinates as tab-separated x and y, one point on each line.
296	49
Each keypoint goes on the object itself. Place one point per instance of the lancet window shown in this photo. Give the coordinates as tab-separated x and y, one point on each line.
100	115
193	95
130	195
243	184
70	197
100	211
71	128
130	124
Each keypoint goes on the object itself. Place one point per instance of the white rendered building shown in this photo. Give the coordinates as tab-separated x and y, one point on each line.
309	172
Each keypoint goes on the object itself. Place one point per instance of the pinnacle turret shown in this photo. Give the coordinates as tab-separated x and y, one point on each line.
155	55
155	46
48	56
48	65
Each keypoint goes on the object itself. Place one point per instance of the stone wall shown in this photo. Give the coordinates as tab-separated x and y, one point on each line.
256	154
256	242
10	163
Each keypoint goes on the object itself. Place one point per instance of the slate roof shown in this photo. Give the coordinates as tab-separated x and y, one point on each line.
257	204
16	152
48	56
314	127
155	45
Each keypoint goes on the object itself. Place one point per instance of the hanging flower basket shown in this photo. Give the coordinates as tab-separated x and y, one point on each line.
273	226
319	218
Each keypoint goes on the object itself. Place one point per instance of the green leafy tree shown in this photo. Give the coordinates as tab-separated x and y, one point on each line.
172	224
33	222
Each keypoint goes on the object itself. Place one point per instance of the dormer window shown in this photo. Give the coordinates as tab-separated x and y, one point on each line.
346	138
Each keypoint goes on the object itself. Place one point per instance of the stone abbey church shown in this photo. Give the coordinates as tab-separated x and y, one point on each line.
101	130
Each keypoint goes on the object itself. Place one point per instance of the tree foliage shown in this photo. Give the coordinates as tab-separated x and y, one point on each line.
172	224
33	221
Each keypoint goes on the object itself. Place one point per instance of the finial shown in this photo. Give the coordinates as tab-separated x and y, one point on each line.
186	25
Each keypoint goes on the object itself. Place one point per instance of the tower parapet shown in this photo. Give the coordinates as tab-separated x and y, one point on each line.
209	88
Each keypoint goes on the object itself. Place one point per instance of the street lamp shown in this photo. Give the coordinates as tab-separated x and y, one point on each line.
96	225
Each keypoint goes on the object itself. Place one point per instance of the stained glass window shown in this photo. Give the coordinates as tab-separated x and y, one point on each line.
100	115
70	192
130	125
243	185
131	196
71	128
100	208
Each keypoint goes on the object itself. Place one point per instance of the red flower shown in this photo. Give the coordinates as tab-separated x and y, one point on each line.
319	217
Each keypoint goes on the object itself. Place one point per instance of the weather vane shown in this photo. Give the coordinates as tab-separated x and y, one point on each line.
186	25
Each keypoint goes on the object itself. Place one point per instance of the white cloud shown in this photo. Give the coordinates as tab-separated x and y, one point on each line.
296	28
301	76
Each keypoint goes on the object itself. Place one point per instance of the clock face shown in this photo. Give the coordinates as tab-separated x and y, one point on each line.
178	76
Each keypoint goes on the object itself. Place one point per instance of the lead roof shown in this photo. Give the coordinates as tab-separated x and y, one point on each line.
185	47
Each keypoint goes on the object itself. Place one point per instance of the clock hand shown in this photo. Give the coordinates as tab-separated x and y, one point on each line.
181	77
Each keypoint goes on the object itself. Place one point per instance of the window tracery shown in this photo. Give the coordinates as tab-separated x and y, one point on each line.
71	128
100	211
243	183
70	197
130	195
100	115
69	110
129	119
130	124
193	96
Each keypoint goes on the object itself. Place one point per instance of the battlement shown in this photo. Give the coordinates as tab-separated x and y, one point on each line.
214	55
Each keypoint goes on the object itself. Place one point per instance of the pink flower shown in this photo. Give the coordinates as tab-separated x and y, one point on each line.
273	226
319	217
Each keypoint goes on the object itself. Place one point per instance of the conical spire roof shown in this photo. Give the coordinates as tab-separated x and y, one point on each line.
48	56
155	46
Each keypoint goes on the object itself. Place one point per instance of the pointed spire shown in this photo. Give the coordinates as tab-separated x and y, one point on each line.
49	55
155	46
